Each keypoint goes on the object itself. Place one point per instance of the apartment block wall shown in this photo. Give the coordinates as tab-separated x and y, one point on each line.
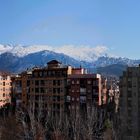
5	89
55	89
130	103
85	89
17	90
45	88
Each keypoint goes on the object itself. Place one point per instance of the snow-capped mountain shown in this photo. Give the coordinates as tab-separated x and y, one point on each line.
81	53
105	61
14	63
19	58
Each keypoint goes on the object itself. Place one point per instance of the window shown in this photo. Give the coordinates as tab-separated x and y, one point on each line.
36	82
129	103
72	81
58	82
3	83
54	90
54	82
36	90
82	99
58	98
58	106
61	90
129	94
42	90
77	82
35	74
89	90
28	83
77	90
68	98
50	90
42	82
89	81
129	84
58	90
40	74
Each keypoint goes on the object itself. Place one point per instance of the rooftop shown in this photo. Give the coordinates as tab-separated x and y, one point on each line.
84	76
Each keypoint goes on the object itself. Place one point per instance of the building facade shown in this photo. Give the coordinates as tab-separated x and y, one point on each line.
42	89
57	88
86	90
5	88
130	104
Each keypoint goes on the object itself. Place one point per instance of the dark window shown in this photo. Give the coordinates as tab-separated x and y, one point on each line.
3	83
54	90
42	90
36	82
42	82
58	98
58	106
129	94
54	82
41	74
129	103
58	82
36	90
58	90
28	83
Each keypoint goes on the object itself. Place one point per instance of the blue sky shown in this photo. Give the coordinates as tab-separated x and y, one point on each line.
111	23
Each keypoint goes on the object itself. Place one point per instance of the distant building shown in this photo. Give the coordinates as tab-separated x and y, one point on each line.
5	88
130	104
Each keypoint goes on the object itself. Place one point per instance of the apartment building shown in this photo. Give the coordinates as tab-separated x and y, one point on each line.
5	88
130	104
55	87
86	90
42	88
16	90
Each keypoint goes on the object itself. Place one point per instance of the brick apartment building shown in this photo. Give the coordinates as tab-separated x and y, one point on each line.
86	89
49	86
55	86
43	88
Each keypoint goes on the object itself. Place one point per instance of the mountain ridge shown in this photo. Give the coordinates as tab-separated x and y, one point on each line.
15	63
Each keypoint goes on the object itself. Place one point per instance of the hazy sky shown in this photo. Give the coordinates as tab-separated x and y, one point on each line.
111	23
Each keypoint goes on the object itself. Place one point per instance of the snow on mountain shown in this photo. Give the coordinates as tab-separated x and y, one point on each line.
105	61
82	53
22	51
5	48
19	58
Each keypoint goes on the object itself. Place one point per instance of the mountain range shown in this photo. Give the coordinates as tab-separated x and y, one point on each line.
18	58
